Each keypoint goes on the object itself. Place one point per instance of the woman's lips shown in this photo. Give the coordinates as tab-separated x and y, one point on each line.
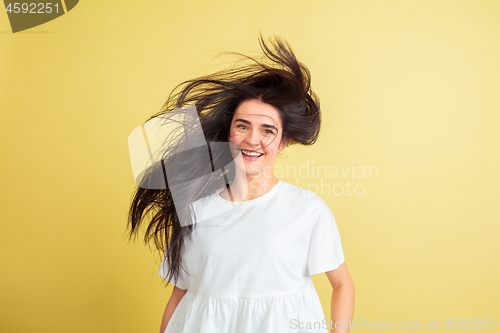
251	155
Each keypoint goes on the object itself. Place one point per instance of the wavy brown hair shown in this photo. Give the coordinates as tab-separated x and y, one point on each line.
276	78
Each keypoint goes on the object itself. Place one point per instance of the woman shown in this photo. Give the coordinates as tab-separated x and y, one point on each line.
243	261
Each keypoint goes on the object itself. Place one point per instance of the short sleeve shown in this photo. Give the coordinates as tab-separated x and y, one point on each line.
181	280
325	248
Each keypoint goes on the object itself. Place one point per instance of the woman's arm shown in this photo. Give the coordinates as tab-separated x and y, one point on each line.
175	298
342	298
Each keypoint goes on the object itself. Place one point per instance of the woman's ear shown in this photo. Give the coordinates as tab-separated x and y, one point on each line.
282	144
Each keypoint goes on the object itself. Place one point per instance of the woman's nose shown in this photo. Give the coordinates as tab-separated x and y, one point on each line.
253	138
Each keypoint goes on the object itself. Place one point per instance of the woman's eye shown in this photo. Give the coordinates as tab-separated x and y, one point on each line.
242	127
268	132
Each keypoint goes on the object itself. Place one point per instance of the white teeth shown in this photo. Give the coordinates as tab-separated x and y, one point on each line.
250	153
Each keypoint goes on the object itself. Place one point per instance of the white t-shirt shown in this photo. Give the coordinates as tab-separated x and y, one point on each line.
250	264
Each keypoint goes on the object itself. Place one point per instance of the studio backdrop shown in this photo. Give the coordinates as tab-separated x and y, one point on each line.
407	159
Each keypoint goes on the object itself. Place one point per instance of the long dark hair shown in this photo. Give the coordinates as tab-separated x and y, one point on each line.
277	78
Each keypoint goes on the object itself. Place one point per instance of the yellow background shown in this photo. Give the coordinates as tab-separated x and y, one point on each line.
411	87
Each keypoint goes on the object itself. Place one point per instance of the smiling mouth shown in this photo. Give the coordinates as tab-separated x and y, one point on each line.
251	153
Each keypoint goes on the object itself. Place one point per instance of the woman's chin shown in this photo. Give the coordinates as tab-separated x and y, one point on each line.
252	171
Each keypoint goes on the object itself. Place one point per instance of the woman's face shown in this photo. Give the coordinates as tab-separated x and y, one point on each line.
256	128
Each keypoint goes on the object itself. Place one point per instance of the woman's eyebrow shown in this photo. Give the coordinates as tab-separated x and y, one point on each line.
249	123
269	126
243	121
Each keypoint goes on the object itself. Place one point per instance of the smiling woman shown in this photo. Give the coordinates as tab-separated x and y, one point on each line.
245	262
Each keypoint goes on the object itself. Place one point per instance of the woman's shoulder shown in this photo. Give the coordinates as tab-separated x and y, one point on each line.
204	201
301	196
207	207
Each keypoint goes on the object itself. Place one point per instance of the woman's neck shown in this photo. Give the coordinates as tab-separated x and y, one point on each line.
249	188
